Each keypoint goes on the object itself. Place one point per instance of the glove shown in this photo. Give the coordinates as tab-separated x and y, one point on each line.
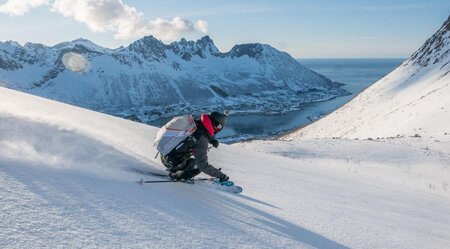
224	178
215	143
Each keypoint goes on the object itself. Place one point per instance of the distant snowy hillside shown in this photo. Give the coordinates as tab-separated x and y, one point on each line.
149	79
413	100
67	180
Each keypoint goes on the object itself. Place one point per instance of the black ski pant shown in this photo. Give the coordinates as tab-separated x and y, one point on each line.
188	170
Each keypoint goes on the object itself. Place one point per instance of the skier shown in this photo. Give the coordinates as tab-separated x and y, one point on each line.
180	162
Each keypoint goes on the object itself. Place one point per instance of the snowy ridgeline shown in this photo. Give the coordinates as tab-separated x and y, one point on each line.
149	79
411	101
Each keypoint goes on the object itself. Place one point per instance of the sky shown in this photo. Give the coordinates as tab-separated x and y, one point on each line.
303	28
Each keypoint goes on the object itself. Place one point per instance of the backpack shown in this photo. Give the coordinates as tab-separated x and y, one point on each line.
174	132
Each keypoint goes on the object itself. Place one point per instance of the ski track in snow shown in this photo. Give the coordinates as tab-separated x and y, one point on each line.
66	181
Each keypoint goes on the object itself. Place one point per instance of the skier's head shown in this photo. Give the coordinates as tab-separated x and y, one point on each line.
218	120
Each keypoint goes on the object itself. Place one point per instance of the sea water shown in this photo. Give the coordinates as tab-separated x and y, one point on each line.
356	74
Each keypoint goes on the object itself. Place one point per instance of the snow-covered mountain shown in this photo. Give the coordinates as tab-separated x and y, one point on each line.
413	100
67	179
150	79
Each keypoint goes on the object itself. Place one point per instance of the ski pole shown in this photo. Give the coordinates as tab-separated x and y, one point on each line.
162	181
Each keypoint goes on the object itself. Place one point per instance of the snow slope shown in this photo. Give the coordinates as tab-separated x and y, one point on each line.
67	180
394	135
413	100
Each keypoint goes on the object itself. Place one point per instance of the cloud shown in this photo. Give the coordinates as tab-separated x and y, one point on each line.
202	26
124	21
171	29
20	7
103	16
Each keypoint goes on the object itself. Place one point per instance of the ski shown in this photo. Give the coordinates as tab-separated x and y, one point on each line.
214	183
227	186
171	180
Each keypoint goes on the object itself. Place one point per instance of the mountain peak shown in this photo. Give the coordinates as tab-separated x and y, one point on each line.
149	46
435	50
81	39
11	44
207	43
147	41
201	47
151	39
252	50
447	24
83	45
205	40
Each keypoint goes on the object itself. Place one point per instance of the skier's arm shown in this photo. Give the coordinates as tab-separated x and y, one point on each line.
201	159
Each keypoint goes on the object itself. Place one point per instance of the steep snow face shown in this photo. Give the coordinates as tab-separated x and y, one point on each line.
413	100
67	179
149	79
